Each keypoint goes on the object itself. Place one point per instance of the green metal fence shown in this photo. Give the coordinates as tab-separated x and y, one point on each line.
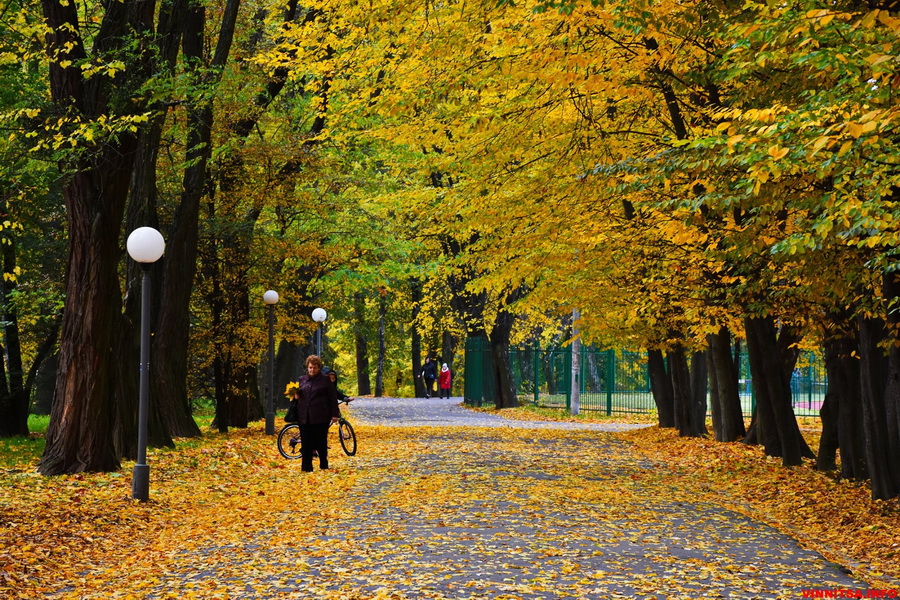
611	381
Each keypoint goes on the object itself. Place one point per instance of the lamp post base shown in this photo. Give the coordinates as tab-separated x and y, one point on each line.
140	483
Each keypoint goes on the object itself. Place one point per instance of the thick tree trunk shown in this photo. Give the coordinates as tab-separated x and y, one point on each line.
826	457
880	382
661	387
728	418
686	417
500	338
80	435
874	367
502	371
842	413
172	339
772	360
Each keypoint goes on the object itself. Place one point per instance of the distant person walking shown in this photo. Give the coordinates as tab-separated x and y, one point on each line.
317	409
444	383
429	375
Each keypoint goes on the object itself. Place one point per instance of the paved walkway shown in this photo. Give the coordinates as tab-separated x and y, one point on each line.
506	510
444	412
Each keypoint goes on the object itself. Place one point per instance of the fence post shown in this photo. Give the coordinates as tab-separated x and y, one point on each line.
537	372
575	375
610	378
809	385
567	381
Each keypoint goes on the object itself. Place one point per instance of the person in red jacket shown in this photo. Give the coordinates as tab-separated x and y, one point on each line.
444	383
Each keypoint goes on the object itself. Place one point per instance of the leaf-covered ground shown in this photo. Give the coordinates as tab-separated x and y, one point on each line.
446	513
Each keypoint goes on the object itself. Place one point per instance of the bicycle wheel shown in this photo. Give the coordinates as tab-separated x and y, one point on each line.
347	437
289	441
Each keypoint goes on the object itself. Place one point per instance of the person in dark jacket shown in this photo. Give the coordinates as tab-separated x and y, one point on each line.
429	375
333	376
317	409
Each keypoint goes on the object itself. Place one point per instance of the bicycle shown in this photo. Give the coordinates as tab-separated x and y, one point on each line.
289	437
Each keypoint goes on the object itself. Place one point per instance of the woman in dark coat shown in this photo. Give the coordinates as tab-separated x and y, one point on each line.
317	410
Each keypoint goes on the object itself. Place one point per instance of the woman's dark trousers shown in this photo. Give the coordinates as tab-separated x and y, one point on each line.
313	438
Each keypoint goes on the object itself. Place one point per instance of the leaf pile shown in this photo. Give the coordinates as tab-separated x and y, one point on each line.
837	517
418	513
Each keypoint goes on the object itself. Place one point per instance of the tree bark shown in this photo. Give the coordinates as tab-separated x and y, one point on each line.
661	387
416	342
382	351
728	417
685	402
363	383
13	397
502	372
80	435
448	345
142	211
842	422
880	383
772	359
699	389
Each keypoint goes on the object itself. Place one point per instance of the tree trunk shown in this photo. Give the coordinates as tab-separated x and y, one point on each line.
499	337
289	359
13	397
45	382
80	435
363	384
416	342
142	211
714	403
686	419
728	417
842	413
661	387
699	389
826	457
382	351
880	382
772	359
448	345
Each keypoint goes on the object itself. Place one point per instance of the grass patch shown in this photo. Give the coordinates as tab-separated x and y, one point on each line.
38	423
23	453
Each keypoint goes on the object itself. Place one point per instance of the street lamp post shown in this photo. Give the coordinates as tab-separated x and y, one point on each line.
319	315
145	246
271	299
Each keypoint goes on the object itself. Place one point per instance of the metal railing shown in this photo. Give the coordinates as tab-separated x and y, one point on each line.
612	382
